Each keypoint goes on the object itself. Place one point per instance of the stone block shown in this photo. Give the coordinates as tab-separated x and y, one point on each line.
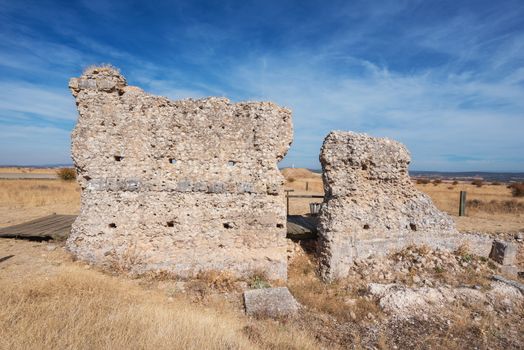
270	302
503	252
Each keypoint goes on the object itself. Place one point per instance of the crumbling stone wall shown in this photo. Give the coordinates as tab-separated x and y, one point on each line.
179	186
371	206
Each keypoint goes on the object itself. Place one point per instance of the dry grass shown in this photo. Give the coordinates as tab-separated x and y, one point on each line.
22	200
341	299
22	194
303	180
493	206
25	170
83	310
65	306
447	200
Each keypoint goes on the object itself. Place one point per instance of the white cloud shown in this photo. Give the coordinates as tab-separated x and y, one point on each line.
432	112
40	100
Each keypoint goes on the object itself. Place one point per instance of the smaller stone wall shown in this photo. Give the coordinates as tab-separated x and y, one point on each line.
371	206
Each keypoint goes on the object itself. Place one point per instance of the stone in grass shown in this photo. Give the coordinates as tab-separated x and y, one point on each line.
270	302
503	252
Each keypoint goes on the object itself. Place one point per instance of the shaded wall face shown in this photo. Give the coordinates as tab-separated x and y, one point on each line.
183	186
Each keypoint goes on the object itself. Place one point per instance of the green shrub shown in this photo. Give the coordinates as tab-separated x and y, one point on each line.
422	181
258	281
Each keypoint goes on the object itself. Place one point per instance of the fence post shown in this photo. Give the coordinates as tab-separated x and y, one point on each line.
307	185
287	201
462	204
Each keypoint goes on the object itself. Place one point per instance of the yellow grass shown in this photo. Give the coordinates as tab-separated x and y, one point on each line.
50	302
446	196
79	309
25	170
22	200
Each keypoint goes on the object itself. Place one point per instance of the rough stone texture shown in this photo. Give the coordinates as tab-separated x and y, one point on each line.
370	205
503	252
179	186
404	302
271	302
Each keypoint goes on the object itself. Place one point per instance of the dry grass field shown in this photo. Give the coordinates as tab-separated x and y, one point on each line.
26	170
51	302
26	199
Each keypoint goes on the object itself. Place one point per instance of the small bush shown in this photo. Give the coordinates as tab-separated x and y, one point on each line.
495	183
517	189
66	174
437	181
455	183
258	281
291	180
422	181
477	183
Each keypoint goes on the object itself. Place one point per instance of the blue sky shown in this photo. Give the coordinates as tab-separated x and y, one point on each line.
446	78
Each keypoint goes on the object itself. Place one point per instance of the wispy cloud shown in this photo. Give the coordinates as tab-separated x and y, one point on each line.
445	78
39	100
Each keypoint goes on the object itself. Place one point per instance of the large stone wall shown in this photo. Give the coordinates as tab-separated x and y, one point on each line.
371	206
179	186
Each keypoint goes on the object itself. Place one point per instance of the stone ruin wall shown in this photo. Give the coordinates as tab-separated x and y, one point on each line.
371	207
179	186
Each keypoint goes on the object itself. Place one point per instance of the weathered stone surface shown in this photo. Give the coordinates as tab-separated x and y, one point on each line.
510	270
271	302
370	205
181	186
406	302
503	252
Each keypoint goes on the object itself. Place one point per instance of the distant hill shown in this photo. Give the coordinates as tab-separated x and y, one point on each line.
470	175
461	175
38	166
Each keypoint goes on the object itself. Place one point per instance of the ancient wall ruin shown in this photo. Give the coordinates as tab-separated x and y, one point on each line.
371	206
179	186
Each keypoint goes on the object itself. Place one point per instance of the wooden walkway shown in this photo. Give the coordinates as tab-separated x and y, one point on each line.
49	227
59	226
301	227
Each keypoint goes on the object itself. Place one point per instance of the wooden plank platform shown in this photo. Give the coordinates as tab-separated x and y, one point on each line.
302	227
53	226
58	227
